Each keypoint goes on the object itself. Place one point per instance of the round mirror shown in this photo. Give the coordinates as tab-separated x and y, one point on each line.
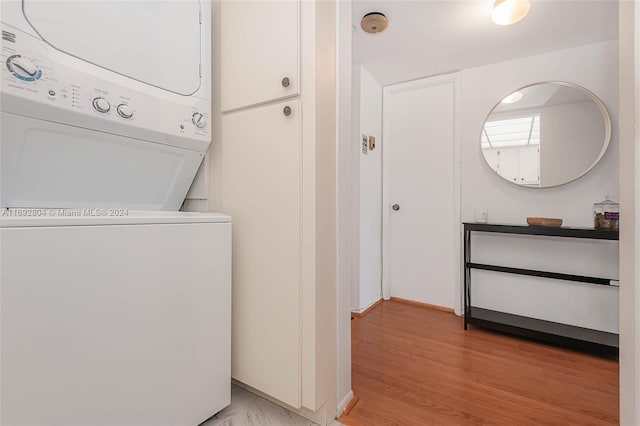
546	134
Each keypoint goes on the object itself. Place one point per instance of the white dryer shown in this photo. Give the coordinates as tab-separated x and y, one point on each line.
104	103
115	307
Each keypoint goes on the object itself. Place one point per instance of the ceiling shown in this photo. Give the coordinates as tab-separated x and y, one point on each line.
428	37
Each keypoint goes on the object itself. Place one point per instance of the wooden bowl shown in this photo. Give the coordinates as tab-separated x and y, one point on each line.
544	221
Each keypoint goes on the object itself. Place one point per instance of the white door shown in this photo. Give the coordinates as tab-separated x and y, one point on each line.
421	192
259	44
261	191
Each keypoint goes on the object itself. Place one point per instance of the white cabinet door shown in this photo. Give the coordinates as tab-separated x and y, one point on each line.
530	165
261	191
508	161
492	158
259	49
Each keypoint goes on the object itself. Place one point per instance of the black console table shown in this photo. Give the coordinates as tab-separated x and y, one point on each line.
552	332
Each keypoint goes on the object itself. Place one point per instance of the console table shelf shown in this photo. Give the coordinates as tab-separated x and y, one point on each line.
562	231
552	332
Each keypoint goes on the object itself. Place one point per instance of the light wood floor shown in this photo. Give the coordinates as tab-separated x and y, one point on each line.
416	366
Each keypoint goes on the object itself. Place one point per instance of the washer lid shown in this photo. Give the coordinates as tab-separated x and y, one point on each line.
153	41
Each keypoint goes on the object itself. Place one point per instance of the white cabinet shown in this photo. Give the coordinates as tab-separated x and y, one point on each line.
271	174
261	191
260	52
261	188
519	164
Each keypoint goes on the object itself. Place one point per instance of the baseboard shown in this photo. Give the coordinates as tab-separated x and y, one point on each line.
350	405
367	309
346	403
423	305
344	418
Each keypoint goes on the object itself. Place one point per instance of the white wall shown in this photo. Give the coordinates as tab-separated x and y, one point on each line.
595	68
369	98
629	130
354	153
346	243
326	199
570	140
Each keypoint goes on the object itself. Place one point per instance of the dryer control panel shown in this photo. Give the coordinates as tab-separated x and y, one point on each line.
41	82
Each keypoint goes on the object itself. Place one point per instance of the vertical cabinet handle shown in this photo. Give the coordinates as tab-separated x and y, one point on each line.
285	82
286	111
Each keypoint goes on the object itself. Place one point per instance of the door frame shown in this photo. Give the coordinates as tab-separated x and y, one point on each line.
455	163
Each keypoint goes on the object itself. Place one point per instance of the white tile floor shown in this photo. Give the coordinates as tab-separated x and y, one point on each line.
247	409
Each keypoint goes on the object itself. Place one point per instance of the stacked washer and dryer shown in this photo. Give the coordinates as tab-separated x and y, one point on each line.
115	306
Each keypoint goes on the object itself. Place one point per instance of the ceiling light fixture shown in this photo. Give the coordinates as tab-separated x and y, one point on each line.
374	22
507	12
513	98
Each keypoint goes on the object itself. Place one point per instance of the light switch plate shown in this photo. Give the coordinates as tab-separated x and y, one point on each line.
365	144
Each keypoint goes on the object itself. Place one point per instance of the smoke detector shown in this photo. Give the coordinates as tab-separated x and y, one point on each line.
374	22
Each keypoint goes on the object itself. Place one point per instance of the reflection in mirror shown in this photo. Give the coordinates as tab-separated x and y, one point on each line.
546	134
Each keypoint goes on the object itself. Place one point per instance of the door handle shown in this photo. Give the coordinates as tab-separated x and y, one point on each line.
395	207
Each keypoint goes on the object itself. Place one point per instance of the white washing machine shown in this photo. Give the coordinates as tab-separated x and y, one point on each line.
121	321
115	307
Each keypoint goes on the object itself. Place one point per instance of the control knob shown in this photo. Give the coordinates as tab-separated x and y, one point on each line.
124	111
101	105
199	120
23	68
